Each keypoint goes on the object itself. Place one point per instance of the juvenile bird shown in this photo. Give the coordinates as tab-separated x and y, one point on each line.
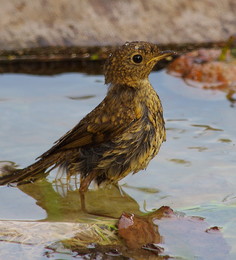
121	135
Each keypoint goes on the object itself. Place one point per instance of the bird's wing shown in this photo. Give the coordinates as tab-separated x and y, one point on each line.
98	126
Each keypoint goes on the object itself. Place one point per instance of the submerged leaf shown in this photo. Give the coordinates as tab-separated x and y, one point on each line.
188	237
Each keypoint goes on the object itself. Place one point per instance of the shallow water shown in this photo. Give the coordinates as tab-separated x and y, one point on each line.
193	173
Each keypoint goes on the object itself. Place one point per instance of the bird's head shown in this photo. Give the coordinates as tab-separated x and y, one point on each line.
132	62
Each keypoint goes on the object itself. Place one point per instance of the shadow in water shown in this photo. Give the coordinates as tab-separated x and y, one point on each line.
53	67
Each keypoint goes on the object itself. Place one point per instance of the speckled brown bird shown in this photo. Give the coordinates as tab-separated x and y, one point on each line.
121	135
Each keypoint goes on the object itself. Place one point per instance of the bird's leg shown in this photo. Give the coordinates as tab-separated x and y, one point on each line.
82	201
84	184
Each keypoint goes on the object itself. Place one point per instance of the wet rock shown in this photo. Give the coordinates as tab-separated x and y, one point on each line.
205	68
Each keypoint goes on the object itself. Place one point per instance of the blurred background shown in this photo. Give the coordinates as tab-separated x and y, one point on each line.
26	23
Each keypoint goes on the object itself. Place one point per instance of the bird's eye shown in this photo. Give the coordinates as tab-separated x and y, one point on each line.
137	58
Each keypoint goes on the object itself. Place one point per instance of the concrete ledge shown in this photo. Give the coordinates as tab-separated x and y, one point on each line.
40	23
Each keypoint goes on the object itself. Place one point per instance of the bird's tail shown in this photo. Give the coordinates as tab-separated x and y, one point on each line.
34	171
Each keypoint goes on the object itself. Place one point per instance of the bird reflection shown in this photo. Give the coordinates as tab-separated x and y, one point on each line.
61	200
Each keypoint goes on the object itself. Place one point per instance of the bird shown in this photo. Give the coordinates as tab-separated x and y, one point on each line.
118	137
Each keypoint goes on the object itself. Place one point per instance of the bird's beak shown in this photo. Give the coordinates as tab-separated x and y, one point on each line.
161	55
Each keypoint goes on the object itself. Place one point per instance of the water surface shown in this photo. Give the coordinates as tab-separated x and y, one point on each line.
193	173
